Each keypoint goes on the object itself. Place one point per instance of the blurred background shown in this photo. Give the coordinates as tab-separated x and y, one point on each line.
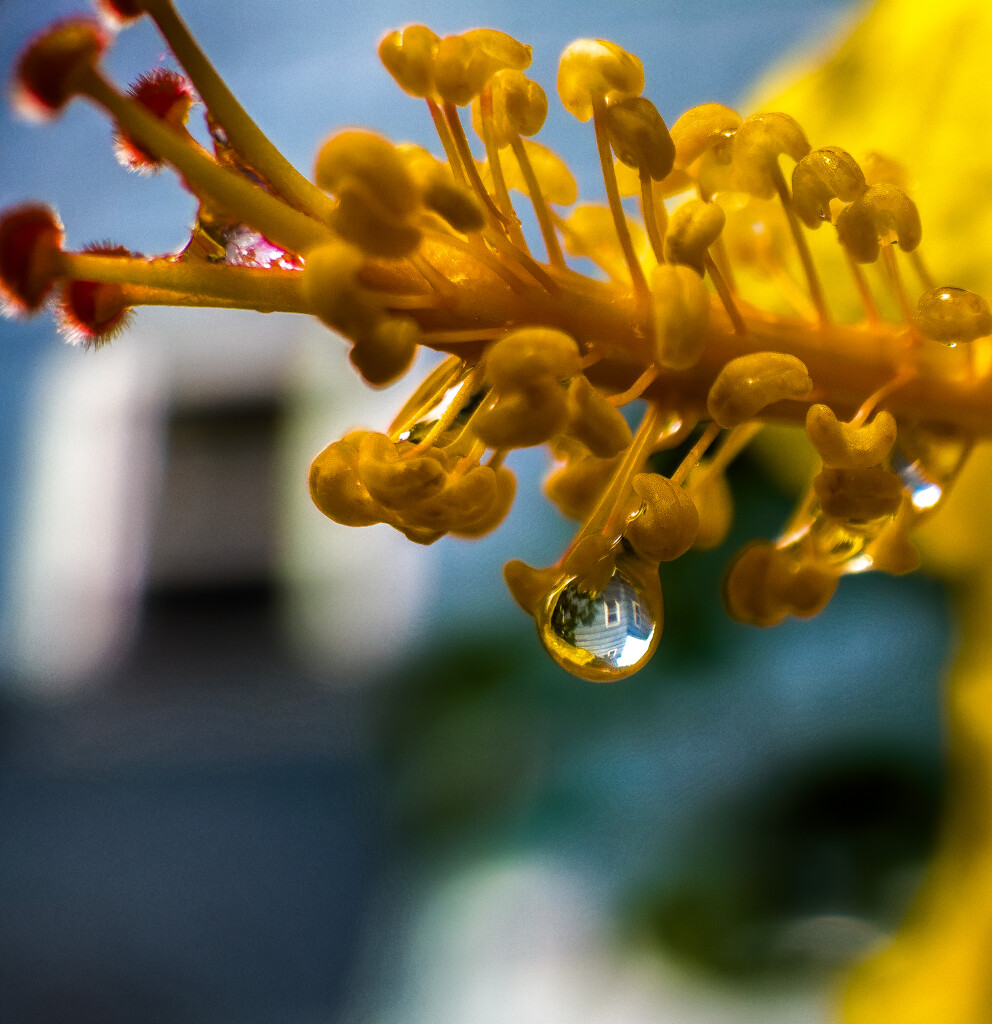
257	767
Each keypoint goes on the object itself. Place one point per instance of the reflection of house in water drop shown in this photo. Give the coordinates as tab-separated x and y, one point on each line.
613	626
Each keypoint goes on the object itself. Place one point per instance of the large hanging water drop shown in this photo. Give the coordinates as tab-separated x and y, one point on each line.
605	635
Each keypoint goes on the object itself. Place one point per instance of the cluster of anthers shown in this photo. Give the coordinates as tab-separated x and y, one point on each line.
707	316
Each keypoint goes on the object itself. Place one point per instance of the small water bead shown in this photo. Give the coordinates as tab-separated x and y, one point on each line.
245	247
927	460
832	542
607	635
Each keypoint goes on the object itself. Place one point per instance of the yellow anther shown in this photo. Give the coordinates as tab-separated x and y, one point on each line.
377	195
439	191
575	488
858	494
952	315
522	418
335	487
590	70
464	64
397	482
333	294
532	355
594	422
822	175
758	143
699	128
501	48
385	353
556	181
681	315
748	591
765	584
492	515
463	500
874	217
847	445
529	586
361	222
455	203
639	136
748	384
519	107
363	161
593	561
711	495
667	524
408	55
805	588
692	228
525	104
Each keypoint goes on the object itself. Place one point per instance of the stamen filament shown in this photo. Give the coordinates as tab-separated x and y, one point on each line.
698	450
496	169
615	494
725	294
431	274
734	443
802	247
478	250
922	272
272	288
468	162
469	334
636	389
652	223
541	211
872	401
242	132
447	142
864	290
891	266
616	207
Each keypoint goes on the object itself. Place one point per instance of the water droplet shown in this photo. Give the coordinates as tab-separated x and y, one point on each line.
431	400
607	635
245	247
831	542
927	460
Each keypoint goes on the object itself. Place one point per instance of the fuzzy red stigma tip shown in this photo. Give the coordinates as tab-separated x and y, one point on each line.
30	240
166	94
120	12
46	73
90	313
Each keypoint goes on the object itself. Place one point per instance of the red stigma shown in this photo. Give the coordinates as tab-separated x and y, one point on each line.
120	12
90	313
46	72
30	240
166	94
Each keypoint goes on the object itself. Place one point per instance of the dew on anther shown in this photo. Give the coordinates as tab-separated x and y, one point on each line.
431	401
602	636
827	541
